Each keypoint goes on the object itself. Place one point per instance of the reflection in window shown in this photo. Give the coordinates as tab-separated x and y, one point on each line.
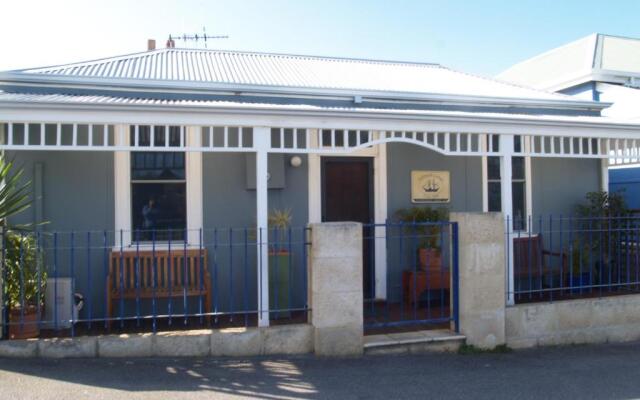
158	187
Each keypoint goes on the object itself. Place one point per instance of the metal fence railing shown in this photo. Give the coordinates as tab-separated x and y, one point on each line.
91	282
417	282
560	257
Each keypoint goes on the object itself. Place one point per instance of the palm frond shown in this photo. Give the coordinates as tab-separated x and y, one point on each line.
15	193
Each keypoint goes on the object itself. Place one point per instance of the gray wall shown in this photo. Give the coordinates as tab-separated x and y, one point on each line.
77	189
558	184
230	207
228	202
466	177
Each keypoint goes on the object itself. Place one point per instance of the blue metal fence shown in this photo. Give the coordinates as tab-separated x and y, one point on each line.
113	281
560	257
420	285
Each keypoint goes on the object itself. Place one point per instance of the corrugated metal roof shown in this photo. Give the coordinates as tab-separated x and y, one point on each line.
280	70
82	100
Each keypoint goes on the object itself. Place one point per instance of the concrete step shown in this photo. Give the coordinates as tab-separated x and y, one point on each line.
436	340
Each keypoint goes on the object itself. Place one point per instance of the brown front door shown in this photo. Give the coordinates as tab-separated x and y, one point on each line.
347	195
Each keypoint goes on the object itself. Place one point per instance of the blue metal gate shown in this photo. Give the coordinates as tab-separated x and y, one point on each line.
416	282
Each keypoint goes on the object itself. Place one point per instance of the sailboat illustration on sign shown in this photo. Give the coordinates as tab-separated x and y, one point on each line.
431	186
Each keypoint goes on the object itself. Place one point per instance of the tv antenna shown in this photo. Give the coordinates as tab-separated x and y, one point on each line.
197	38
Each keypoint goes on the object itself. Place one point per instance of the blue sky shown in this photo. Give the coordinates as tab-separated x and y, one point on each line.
482	37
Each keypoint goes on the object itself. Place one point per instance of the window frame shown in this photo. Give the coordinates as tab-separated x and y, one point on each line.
527	181
123	191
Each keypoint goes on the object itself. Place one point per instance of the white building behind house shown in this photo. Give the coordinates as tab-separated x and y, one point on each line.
597	67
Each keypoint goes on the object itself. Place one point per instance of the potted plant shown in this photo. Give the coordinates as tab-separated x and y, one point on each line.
20	265
280	262
25	282
601	219
422	224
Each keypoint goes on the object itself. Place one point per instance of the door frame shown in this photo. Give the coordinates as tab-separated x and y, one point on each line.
379	155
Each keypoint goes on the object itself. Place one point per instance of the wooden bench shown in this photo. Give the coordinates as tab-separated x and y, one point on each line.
530	259
154	274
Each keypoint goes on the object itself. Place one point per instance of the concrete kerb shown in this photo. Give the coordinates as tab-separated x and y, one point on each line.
285	339
126	345
19	348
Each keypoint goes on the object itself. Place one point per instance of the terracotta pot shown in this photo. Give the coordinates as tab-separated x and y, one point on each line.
29	326
429	258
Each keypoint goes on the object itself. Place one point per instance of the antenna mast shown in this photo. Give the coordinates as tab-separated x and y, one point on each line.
194	38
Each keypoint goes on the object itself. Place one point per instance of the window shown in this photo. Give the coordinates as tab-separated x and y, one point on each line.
158	186
518	192
493	182
337	138
518	185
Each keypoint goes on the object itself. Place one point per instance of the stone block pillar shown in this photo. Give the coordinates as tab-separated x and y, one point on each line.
482	290
335	288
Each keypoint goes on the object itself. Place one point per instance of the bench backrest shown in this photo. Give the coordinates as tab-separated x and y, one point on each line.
149	270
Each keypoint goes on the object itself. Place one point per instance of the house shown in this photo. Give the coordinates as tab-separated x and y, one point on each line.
186	152
597	67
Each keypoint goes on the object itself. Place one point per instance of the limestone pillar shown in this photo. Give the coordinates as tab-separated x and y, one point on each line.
335	288
482	278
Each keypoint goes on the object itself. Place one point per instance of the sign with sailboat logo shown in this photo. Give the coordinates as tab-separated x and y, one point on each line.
430	186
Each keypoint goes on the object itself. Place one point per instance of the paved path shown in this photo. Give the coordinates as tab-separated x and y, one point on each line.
576	372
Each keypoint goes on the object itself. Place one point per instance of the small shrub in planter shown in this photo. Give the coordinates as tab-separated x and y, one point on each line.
24	285
602	218
280	260
428	236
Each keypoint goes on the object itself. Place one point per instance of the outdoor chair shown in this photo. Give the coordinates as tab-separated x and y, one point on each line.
533	263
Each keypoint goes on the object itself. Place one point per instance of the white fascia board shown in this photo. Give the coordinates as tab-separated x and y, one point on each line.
386	120
212	88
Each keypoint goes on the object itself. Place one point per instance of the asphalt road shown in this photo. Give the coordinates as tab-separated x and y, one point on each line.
575	372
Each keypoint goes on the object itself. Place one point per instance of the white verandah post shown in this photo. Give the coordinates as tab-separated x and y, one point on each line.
262	143
506	196
604	175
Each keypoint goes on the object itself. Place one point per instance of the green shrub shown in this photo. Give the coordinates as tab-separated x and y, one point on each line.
26	276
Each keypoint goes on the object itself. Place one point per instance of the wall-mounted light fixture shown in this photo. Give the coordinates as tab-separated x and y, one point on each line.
295	161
